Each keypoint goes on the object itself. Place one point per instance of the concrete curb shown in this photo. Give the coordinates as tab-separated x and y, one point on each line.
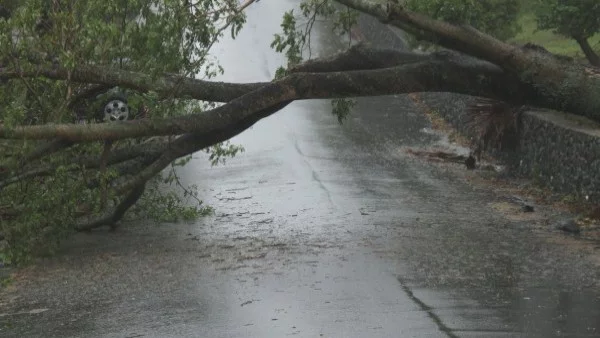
556	149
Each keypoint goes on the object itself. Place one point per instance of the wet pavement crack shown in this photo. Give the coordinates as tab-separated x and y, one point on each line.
265	221
248	302
234	198
427	309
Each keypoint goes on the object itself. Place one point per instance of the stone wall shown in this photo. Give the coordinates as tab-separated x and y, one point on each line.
559	150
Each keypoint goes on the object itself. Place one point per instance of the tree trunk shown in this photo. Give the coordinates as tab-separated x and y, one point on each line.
112	217
560	85
435	73
590	54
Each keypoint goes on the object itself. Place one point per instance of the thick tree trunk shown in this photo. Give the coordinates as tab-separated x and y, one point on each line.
551	83
437	73
560	85
590	54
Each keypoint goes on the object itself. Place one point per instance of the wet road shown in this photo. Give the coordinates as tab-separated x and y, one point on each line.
320	230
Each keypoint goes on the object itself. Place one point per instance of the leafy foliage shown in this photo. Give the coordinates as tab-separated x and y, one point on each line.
291	41
342	108
170	36
295	40
495	17
164	205
572	18
37	214
155	37
220	152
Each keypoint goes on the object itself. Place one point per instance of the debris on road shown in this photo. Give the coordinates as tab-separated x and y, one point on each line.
524	204
569	226
438	155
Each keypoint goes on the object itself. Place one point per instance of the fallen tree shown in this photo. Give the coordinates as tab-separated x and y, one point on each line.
107	166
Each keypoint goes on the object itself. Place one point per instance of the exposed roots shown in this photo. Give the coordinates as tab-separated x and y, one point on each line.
493	124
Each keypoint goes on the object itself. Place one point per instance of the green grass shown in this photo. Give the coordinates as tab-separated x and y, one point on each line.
553	42
5	282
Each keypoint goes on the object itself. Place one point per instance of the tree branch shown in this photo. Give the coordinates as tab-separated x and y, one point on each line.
151	151
191	143
46	149
360	57
115	215
589	52
452	74
87	93
23	176
175	85
460	38
559	85
42	150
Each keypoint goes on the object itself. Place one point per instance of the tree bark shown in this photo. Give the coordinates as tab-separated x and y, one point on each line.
46	149
112	217
167	84
561	85
191	143
436	74
590	54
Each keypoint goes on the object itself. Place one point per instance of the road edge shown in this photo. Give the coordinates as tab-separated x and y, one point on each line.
558	150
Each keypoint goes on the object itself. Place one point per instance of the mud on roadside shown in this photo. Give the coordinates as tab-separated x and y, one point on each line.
549	208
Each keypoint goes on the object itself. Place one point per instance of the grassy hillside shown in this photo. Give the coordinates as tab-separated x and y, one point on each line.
555	43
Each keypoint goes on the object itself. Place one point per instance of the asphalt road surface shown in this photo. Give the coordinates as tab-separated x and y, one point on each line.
320	230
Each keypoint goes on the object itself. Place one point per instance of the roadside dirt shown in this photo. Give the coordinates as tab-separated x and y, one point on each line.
549	208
